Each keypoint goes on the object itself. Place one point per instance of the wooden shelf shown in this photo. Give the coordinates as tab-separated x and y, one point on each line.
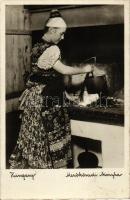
18	32
46	8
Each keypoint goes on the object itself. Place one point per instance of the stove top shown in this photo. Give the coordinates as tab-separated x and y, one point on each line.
108	111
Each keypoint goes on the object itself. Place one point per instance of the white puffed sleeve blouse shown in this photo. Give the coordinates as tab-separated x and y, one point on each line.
49	57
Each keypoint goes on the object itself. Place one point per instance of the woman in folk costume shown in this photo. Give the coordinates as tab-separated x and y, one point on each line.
44	140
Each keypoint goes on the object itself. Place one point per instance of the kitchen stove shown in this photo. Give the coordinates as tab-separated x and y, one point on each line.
111	112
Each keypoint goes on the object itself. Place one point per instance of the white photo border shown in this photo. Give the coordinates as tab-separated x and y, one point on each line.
53	184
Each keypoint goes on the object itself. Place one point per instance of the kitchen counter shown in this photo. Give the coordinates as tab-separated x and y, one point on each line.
108	115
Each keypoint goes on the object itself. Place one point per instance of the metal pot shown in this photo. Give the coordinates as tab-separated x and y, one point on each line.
96	84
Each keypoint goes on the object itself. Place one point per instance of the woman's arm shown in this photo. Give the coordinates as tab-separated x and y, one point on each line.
68	70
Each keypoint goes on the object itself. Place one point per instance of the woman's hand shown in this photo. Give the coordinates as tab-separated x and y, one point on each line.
88	68
98	72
